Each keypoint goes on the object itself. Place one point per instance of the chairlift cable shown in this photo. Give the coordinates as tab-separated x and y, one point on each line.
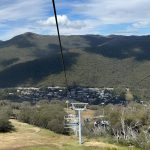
143	79
60	43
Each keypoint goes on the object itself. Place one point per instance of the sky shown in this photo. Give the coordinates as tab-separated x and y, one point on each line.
75	17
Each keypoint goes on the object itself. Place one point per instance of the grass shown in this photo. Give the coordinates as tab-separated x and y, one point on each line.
76	147
28	137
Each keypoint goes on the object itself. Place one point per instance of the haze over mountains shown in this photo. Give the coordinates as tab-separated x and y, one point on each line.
91	60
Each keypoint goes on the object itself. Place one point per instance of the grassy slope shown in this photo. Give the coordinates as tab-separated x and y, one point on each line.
27	137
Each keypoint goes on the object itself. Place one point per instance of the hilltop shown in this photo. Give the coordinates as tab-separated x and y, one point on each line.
91	60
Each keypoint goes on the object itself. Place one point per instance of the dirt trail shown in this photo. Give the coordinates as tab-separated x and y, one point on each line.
27	135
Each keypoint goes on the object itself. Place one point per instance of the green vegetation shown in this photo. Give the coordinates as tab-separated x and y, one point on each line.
126	125
49	115
75	147
46	115
5	124
95	61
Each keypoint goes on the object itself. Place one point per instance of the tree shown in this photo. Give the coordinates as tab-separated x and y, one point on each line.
5	124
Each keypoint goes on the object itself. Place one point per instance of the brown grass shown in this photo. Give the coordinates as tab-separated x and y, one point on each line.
28	135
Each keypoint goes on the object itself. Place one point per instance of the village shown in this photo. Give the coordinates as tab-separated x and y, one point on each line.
89	95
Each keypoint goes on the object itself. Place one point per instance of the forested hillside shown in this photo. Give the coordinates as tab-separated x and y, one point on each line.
91	60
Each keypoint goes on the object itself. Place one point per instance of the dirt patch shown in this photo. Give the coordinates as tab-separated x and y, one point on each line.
100	144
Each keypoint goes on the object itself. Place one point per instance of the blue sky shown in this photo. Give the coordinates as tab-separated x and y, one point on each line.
104	17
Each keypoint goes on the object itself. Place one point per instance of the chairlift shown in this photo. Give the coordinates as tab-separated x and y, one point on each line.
74	123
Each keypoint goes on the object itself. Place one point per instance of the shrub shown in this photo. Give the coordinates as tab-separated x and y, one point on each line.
49	116
5	124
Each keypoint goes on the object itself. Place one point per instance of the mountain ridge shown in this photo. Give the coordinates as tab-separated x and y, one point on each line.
91	60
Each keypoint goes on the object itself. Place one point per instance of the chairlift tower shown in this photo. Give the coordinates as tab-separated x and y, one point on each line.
79	107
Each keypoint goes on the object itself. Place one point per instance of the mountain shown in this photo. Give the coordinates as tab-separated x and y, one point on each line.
91	60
